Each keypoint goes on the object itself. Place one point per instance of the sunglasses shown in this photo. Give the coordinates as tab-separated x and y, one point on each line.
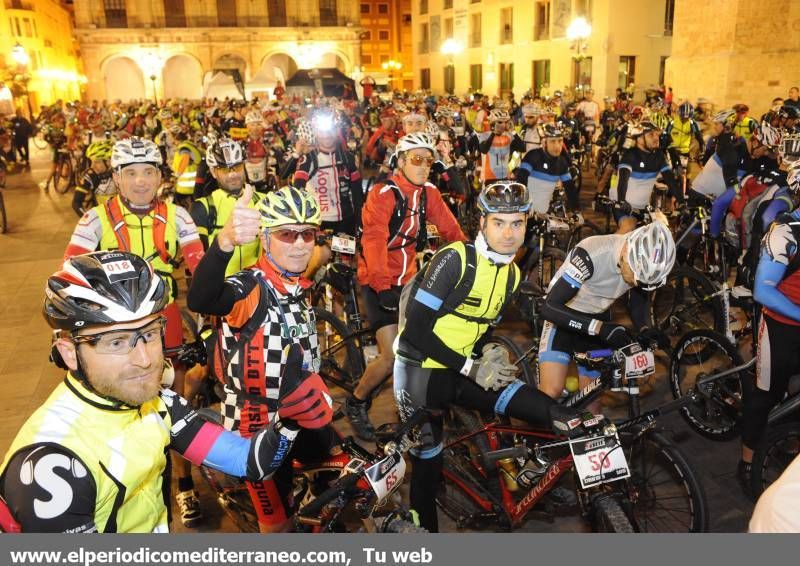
418	160
121	342
290	235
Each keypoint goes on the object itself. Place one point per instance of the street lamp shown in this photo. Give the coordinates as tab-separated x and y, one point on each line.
578	32
391	65
152	64
22	59
450	48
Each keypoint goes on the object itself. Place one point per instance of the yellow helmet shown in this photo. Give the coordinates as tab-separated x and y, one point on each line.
289	205
99	150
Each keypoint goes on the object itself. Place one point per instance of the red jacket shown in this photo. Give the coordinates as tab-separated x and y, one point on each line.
381	268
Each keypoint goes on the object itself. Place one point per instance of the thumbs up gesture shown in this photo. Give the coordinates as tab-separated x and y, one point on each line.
243	225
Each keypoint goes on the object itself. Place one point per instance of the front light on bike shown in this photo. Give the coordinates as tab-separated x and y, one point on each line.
610	430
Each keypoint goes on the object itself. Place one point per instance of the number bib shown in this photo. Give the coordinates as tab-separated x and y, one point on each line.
343	243
256	170
638	362
599	460
386	475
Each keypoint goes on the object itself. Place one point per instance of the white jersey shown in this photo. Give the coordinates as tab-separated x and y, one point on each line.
777	510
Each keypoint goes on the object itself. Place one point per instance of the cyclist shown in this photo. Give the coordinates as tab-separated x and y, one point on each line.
442	355
577	310
744	126
680	132
225	159
92	457
497	145
136	221
185	162
776	290
531	132
395	220
97	185
638	169
262	311
725	160
542	169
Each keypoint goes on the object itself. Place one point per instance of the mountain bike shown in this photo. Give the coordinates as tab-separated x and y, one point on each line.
3	218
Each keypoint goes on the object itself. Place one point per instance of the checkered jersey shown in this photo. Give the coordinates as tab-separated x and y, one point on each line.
289	319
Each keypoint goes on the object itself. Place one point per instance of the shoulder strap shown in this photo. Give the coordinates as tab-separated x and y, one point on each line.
160	221
118	224
464	285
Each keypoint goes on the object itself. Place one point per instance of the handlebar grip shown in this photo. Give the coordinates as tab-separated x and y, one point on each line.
516	451
315	507
604	353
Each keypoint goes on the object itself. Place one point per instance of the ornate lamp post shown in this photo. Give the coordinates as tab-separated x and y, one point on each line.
22	59
578	33
391	65
451	48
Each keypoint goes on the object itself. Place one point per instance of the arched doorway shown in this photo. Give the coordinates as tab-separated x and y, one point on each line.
124	80
278	67
183	77
333	60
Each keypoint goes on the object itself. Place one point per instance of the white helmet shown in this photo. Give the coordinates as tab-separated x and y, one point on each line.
789	148
305	132
769	135
253	117
135	150
531	110
498	115
651	254
725	117
418	140
224	152
793	177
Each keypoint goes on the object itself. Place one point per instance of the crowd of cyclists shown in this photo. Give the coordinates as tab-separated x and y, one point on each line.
237	194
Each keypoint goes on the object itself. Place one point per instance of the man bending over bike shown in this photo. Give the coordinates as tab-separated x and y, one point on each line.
442	358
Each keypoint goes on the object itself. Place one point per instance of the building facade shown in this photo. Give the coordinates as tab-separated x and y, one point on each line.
386	37
38	33
136	49
732	51
506	46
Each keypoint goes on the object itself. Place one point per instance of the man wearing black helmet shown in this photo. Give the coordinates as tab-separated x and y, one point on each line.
442	355
92	458
543	168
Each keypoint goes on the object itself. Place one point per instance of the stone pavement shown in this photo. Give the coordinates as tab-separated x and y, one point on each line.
39	228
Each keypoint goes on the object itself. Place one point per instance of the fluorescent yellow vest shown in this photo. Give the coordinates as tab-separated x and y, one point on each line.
223	202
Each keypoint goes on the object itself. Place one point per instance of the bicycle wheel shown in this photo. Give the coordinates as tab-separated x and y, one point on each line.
39	141
716	413
3	219
517	356
551	259
341	355
664	493
609	517
402	526
233	497
581	232
687	302
777	449
62	178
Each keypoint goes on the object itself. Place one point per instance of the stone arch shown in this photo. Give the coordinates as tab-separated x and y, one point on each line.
336	59
123	79
278	66
182	77
232	60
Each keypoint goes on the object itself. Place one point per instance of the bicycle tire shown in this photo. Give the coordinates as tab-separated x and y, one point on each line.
581	232
516	355
62	178
3	218
401	526
660	473
776	450
717	413
688	301
235	501
609	517
552	257
341	354
39	142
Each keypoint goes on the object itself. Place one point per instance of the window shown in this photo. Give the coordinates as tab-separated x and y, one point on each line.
448	4
450	79
383	35
365	8
35	31
174	14
448	28
662	66
19	29
626	71
366	59
506	25
541	26
583	8
276	10
475	30
28	28
476	77
328	15
367	35
423	41
116	13
383	8
582	72
541	74
423	7
384	58
425	78
669	16
506	77
226	13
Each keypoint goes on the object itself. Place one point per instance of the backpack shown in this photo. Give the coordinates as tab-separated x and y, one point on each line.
738	221
460	292
399	214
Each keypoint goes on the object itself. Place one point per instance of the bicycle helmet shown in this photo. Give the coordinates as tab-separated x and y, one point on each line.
135	150
725	117
789	112
99	150
417	140
253	117
504	197
550	131
644	127
224	152
768	135
164	114
305	132
530	110
498	115
636	113
793	177
289	205
651	254
413	117
102	288
686	110
789	147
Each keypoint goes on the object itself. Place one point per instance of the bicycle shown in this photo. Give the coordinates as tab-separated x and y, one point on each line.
645	500
3	217
61	177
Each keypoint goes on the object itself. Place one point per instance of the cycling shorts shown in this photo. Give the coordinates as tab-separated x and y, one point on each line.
344	226
558	344
272	498
377	317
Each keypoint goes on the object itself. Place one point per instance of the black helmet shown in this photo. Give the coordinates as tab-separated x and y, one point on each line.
788	111
685	110
101	288
504	197
224	152
551	131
